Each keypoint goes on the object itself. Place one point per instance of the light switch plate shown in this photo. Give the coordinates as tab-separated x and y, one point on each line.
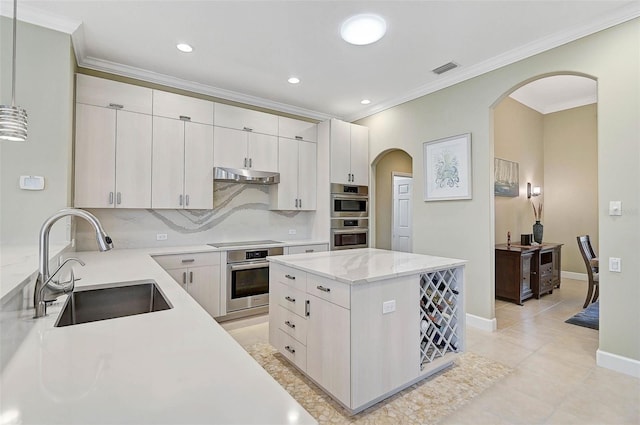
388	307
615	208
161	236
615	265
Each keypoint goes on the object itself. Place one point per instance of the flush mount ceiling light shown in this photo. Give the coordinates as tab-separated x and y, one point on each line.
293	80
365	101
363	29
13	119
184	47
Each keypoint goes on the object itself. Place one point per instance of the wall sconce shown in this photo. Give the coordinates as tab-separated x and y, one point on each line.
535	191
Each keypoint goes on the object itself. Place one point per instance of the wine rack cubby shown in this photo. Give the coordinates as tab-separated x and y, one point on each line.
441	321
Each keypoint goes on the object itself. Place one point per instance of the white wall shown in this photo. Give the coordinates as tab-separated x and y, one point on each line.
44	87
465	229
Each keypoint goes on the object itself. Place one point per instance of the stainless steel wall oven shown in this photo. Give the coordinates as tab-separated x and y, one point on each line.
349	233
349	201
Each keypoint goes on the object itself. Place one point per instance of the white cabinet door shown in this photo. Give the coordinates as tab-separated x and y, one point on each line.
94	157
245	119
328	347
112	94
171	105
133	160
262	152
286	191
307	164
229	148
340	152
201	286
297	129
180	276
168	163
198	171
359	155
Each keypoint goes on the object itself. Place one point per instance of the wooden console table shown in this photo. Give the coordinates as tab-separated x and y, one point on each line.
525	271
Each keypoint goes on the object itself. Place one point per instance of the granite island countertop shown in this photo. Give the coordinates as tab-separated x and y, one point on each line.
364	265
173	366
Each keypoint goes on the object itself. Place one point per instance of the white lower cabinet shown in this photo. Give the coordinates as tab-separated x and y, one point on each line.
306	249
364	342
198	274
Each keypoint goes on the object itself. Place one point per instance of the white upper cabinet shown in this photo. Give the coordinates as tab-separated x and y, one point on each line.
297	129
244	149
170	105
349	153
297	162
112	94
245	119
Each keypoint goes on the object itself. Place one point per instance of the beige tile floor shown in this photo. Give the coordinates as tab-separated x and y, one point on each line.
555	378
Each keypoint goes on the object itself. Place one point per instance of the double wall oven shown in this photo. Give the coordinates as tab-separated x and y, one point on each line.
349	216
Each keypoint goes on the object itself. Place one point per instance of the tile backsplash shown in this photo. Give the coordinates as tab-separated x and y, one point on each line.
241	212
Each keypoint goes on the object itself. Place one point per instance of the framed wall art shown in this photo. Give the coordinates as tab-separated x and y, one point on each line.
506	178
447	168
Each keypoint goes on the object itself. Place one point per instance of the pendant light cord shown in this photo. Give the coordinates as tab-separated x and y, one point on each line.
13	66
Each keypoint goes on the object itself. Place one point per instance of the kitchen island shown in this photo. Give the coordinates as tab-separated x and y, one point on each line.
176	366
365	323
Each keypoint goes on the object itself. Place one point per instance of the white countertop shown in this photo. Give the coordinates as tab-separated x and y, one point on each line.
356	266
174	366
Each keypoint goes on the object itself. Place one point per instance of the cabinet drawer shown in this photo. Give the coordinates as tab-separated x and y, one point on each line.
292	299
332	291
175	261
297	129
243	119
293	350
292	324
171	105
290	276
301	249
107	93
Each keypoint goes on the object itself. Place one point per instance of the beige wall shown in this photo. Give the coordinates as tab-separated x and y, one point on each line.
571	181
44	87
393	161
465	229
518	133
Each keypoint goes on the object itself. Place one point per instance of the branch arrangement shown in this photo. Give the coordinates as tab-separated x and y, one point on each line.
537	212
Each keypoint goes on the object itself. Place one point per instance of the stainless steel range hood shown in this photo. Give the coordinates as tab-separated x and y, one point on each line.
242	175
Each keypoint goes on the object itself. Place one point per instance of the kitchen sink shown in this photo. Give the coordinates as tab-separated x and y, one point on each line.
116	300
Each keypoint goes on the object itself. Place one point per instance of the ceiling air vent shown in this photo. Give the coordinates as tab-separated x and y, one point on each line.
444	68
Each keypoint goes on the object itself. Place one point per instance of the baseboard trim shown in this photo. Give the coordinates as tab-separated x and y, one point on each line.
618	363
574	276
489	325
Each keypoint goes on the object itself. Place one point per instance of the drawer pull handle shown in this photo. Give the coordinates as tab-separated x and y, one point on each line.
288	276
307	310
116	106
185	118
309	250
291	300
323	289
291	325
298	137
289	349
247	128
188	260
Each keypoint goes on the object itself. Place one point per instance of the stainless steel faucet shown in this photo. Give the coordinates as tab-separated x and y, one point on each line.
46	289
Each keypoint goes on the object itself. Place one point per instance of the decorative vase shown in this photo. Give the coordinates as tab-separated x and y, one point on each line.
537	231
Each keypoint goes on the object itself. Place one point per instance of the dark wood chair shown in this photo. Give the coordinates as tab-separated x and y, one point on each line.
591	262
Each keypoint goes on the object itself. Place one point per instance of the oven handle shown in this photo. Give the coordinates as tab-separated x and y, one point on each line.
254	265
350	230
352	197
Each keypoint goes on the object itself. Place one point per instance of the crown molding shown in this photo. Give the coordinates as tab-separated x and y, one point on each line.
35	16
166	80
461	74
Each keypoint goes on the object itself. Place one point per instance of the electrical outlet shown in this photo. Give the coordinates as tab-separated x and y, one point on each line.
292	231
615	208
388	307
615	265
161	236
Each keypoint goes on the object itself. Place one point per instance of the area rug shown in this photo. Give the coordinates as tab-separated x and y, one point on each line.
589	317
426	402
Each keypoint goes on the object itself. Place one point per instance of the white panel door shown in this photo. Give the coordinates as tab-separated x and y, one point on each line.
204	287
95	157
168	163
229	147
402	232
263	152
307	175
340	152
288	168
359	155
133	160
198	166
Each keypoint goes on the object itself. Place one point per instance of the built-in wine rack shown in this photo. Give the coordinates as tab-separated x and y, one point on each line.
440	314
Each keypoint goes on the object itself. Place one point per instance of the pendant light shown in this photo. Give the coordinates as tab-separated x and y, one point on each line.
13	119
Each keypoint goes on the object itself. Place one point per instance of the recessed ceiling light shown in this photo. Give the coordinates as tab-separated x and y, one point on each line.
365	101
294	80
363	29
184	47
